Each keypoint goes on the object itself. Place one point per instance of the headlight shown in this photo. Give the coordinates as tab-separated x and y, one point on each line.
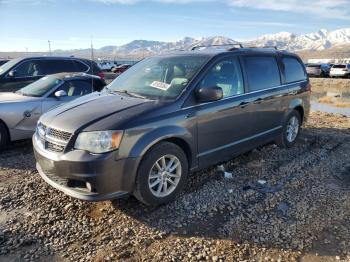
99	141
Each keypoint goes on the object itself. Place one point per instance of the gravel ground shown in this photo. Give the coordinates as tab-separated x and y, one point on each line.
301	213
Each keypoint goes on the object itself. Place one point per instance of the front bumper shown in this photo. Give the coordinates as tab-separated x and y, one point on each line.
91	177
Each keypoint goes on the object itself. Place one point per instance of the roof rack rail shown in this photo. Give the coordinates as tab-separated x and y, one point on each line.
234	44
267	47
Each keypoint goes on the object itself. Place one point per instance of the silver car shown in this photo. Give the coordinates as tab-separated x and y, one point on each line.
20	111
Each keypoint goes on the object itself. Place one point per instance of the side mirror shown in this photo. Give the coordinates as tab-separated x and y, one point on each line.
209	94
12	73
60	93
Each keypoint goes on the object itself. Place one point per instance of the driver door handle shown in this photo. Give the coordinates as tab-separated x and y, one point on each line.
258	101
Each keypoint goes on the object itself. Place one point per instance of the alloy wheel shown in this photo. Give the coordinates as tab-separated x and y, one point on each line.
292	129
165	176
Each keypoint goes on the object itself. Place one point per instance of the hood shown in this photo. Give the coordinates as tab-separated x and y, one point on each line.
13	97
93	109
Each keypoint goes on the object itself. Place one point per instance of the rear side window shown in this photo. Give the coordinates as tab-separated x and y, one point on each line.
293	70
79	66
262	72
59	66
339	66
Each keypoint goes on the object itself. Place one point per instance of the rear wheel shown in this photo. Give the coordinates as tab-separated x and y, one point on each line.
4	137
161	174
291	130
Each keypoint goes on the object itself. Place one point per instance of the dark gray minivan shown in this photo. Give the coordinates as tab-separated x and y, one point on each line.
169	115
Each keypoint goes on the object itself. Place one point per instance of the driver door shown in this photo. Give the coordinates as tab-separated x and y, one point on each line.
224	125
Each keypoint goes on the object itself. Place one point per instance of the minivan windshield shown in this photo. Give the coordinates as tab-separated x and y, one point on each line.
40	87
8	65
160	78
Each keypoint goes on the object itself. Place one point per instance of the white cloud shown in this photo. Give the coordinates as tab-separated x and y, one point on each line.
323	8
338	9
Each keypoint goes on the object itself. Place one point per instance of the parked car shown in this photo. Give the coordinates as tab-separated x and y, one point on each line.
20	72
318	70
20	111
340	70
169	115
106	66
3	62
121	68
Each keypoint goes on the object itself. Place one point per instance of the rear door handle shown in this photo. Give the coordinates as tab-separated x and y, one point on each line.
243	104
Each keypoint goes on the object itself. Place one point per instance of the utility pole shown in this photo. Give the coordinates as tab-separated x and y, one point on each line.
49	47
26	51
92	51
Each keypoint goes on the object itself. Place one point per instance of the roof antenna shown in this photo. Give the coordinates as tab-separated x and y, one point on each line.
49	47
92	67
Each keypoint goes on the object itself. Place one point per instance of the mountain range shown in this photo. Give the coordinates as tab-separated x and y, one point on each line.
317	41
321	40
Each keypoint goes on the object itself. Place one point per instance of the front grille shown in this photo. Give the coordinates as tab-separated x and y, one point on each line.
54	148
61	135
52	139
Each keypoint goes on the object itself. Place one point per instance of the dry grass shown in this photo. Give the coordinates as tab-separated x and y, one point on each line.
323	85
342	104
326	100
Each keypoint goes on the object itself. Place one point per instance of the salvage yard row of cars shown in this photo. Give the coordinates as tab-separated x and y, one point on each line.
328	70
164	117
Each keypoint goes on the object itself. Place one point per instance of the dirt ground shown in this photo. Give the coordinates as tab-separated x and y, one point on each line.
280	205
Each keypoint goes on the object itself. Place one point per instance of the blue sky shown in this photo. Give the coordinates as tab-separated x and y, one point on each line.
70	24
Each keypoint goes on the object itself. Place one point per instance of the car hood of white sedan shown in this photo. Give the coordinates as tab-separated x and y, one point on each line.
13	97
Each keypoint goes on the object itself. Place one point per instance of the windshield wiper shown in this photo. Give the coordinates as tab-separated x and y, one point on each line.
124	91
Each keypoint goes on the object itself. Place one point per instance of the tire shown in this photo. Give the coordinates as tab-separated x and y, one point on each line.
4	136
149	173
289	136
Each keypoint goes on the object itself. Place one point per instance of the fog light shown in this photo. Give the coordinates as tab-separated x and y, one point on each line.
88	186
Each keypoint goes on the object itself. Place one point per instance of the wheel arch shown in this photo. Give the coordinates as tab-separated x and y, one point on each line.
7	129
298	105
176	135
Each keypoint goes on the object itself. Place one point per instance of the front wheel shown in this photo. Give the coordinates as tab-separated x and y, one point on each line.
161	174
291	130
4	138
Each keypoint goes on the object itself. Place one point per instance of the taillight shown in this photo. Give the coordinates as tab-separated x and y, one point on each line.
101	74
308	87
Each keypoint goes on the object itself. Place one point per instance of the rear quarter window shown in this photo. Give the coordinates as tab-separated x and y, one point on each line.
293	70
262	72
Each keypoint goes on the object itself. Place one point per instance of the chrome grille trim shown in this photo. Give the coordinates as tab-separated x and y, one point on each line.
52	139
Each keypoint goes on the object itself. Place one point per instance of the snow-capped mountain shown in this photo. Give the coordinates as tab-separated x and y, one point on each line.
321	40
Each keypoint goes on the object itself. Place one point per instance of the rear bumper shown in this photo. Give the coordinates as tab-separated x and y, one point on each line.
339	74
87	176
314	73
